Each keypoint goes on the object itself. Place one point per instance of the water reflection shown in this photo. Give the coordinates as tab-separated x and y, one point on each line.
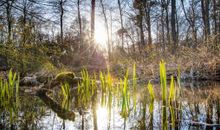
102	116
197	109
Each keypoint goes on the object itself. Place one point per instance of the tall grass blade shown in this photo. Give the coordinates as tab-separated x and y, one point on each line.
163	82
134	76
172	91
152	96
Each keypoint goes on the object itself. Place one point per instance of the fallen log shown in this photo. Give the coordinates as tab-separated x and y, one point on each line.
57	108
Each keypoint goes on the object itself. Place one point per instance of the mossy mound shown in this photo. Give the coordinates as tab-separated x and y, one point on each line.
65	77
68	77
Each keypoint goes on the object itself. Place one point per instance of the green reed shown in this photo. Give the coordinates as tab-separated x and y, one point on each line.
65	88
172	94
134	86
103	88
125	97
172	99
151	105
87	88
152	96
9	94
163	82
84	88
7	86
134	76
65	91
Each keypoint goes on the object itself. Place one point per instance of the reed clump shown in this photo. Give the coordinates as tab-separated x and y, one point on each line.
86	88
9	88
9	94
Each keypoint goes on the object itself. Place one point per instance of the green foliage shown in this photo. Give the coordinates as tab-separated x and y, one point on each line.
29	57
125	97
171	101
163	82
172	113
134	76
7	87
106	88
9	94
86	89
134	86
65	88
65	77
172	91
151	90
152	96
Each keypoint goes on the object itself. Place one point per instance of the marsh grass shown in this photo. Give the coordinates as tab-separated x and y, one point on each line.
172	94
163	82
66	94
85	90
134	82
152	96
119	90
9	88
65	88
9	95
134	76
172	99
125	97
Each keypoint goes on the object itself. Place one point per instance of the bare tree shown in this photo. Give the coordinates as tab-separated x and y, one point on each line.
191	18
205	17
173	24
139	5
162	23
122	26
79	17
148	5
8	4
167	20
59	6
92	19
61	9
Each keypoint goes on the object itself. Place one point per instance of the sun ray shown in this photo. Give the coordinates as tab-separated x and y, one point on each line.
100	34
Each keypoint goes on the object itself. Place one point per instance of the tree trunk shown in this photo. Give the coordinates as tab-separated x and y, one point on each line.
122	27
173	25
148	21
24	22
214	17
194	30
9	19
191	20
92	20
79	18
167	21
162	23
205	17
61	20
140	20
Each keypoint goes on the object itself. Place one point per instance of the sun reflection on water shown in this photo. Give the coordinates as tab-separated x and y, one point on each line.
102	117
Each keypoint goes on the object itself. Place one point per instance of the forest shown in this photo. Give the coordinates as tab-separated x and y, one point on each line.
110	64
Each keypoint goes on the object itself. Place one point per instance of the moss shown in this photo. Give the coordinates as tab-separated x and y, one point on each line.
65	76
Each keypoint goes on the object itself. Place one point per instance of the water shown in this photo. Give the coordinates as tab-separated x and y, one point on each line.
198	108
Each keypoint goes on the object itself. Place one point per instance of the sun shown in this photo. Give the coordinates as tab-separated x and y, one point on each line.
100	35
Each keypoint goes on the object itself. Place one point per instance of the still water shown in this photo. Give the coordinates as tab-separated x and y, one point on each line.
197	108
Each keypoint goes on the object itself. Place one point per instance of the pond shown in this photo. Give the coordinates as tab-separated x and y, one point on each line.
198	107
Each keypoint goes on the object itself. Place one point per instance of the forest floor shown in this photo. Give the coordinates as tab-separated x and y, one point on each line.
201	63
